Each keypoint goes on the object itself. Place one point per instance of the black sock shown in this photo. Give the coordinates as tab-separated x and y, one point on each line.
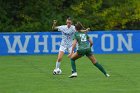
73	65
100	68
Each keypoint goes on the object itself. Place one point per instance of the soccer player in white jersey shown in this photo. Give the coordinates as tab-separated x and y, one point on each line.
68	31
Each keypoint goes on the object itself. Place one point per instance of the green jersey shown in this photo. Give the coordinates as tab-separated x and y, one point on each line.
82	39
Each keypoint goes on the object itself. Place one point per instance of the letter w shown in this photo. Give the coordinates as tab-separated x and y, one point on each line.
17	41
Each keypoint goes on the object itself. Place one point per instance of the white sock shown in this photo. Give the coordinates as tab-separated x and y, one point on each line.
58	64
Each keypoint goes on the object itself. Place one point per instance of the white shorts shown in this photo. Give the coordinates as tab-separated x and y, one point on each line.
64	49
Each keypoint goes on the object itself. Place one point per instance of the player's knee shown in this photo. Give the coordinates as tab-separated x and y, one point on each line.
59	59
94	61
72	59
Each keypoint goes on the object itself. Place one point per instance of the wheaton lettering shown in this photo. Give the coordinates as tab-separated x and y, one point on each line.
49	43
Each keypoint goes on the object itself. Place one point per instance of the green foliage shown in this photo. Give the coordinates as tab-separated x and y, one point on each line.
31	15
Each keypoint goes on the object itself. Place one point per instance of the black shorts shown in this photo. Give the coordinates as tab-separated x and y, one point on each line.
86	52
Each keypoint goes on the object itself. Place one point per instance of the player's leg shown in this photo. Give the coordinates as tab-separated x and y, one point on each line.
74	57
72	61
59	57
99	66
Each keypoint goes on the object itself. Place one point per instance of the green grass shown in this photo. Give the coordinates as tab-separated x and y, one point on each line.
33	74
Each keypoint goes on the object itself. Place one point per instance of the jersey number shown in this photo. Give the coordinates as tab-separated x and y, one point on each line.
83	37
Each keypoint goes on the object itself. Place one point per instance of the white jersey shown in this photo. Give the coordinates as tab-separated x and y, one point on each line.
67	35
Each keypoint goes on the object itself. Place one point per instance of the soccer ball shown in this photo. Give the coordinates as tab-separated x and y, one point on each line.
57	71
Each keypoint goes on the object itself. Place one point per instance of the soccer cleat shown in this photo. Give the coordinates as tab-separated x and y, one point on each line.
73	75
107	75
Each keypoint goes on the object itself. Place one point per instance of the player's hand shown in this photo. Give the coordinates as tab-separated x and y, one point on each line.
54	21
69	56
88	29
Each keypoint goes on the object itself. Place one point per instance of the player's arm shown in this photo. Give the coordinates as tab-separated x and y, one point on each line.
90	41
86	30
54	26
73	47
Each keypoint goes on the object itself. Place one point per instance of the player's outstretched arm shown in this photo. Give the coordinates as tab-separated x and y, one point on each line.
73	47
86	30
54	26
83	28
90	41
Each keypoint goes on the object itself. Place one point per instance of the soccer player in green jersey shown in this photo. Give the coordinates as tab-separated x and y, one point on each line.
84	48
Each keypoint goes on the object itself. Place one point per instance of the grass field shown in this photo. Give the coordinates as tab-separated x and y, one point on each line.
33	74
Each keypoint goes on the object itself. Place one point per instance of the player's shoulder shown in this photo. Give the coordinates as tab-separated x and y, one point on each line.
72	26
76	33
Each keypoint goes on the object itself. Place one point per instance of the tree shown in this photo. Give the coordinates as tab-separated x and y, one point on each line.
31	15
